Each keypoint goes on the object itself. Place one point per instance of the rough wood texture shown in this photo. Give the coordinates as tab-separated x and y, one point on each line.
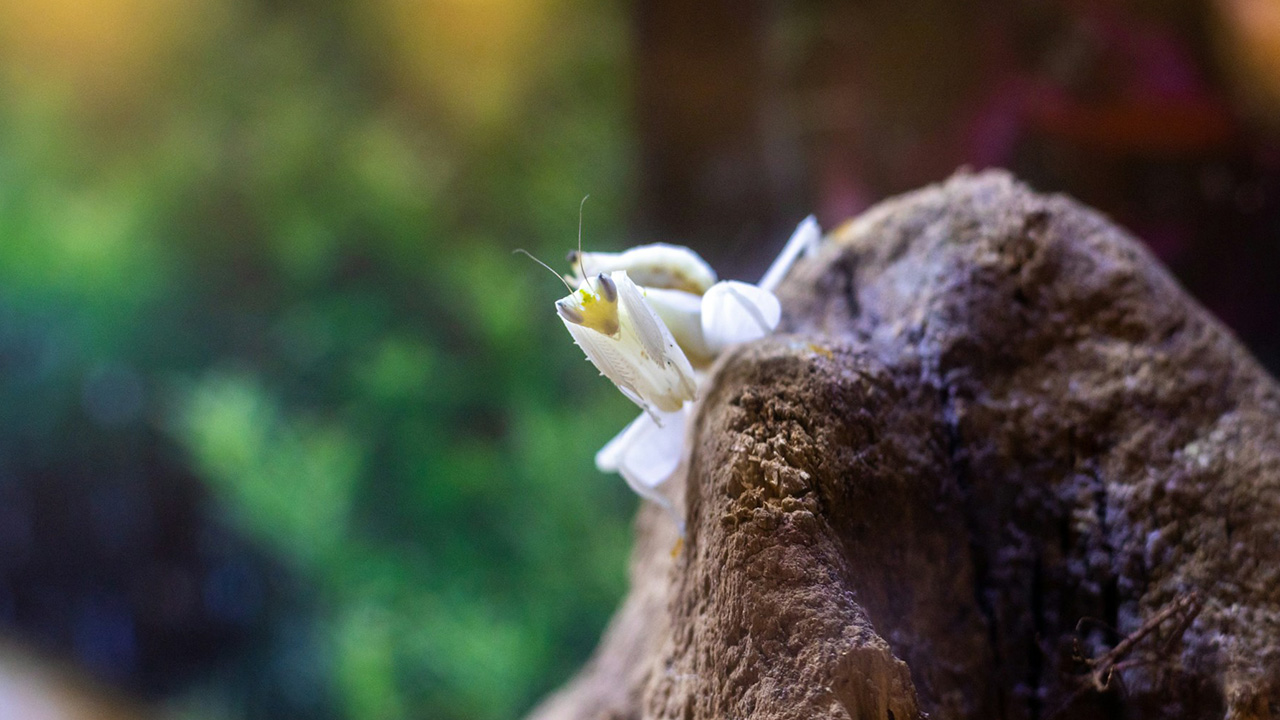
996	465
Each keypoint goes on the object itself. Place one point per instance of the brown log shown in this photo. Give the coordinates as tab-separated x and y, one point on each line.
995	464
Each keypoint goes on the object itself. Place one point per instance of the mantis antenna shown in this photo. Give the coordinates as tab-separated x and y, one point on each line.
582	270
522	251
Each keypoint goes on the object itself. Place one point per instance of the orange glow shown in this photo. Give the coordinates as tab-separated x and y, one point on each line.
1252	44
96	46
476	59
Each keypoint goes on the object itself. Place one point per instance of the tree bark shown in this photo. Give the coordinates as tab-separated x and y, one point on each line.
995	464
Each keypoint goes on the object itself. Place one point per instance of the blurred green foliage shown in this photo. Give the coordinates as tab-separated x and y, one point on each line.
307	272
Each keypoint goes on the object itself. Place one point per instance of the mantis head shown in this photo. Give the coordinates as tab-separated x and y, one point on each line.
595	308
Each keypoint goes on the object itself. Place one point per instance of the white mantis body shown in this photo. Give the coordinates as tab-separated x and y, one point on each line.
646	318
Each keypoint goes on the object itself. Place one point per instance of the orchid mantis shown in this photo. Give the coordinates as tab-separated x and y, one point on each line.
652	319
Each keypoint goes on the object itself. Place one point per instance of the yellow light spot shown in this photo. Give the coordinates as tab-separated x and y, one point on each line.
475	60
822	351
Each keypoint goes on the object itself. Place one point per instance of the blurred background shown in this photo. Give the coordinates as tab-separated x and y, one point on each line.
285	429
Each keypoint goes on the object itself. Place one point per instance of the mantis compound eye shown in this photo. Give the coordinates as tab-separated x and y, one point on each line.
607	288
568	313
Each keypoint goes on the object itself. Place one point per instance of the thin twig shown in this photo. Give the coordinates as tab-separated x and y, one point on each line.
1185	607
